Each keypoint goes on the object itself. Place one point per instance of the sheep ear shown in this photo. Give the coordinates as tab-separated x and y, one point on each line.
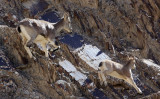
65	16
128	57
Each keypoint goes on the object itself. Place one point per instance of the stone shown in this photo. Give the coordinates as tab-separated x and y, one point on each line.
116	28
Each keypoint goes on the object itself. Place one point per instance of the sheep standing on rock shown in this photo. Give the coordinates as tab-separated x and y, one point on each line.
43	32
114	69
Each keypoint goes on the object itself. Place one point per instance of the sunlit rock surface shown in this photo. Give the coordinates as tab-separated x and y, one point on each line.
102	29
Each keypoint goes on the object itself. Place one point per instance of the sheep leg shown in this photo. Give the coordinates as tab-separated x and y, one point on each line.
43	41
131	82
102	78
30	41
45	48
25	40
54	44
25	33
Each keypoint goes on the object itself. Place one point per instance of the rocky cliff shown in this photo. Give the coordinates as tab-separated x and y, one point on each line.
102	29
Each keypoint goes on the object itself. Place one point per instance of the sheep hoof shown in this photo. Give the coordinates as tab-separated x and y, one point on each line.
105	84
140	92
101	83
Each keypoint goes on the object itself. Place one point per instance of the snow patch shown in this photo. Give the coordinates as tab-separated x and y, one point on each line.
91	55
150	62
73	71
62	82
67	66
14	17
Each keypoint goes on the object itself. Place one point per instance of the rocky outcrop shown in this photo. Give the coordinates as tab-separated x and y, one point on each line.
109	29
152	96
37	78
126	24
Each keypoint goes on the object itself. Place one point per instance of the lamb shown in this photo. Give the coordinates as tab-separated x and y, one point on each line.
43	32
114	69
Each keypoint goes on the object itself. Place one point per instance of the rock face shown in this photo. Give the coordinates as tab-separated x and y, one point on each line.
102	29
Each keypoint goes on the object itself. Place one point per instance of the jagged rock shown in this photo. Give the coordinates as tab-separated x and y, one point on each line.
152	96
23	72
115	28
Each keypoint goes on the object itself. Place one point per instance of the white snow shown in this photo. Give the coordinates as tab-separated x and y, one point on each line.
91	55
67	66
62	82
149	62
14	17
73	71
